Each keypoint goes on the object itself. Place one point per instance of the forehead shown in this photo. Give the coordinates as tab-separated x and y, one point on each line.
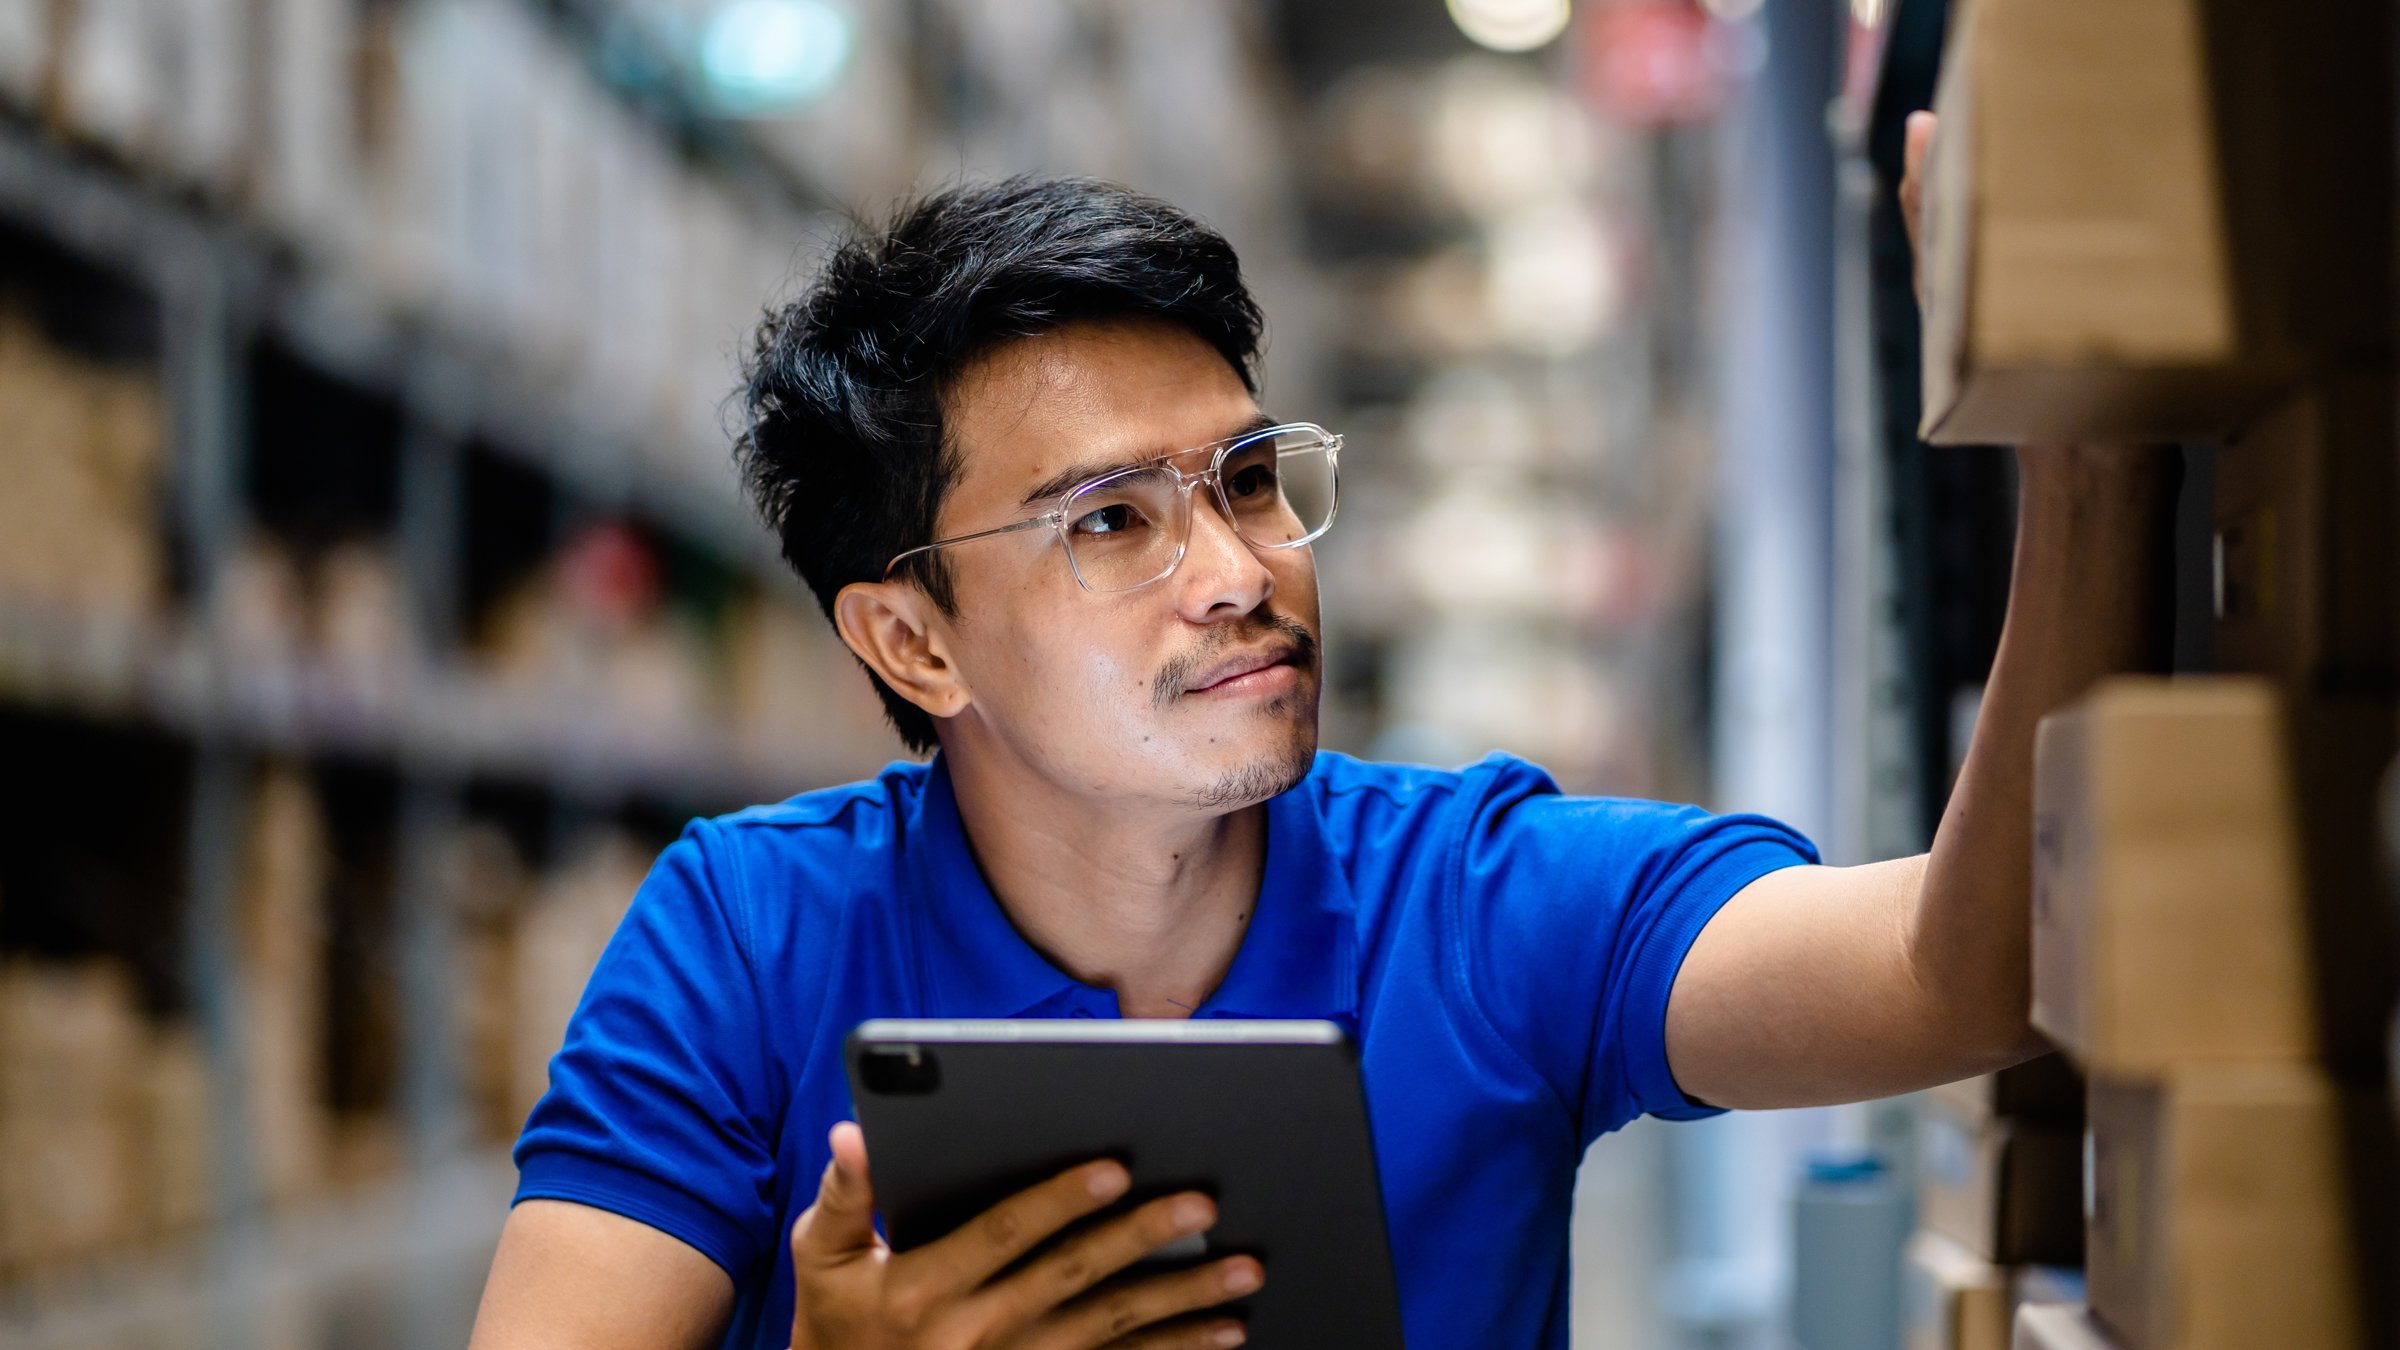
1096	393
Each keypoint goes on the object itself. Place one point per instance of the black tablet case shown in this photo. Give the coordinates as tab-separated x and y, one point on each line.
1267	1117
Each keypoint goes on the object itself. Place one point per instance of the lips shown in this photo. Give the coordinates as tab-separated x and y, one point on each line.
1243	663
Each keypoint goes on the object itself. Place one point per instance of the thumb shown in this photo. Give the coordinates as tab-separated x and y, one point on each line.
842	1221
1919	140
1917	136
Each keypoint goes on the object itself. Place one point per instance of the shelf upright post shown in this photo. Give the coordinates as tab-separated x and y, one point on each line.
201	286
1875	791
431	488
430	538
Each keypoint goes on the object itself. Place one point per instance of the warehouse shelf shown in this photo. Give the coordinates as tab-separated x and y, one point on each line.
294	402
462	383
391	1250
441	722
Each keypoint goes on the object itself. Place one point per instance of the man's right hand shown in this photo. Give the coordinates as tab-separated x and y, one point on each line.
856	1293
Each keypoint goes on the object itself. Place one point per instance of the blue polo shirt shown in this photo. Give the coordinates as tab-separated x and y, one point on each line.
1502	953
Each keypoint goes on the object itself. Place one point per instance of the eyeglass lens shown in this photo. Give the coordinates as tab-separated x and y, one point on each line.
1128	529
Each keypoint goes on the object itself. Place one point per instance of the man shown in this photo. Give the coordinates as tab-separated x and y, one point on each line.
1013	446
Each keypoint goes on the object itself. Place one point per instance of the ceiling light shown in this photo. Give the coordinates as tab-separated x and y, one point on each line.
1510	25
769	56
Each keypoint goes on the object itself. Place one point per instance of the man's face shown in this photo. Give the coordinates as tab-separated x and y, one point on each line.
1200	689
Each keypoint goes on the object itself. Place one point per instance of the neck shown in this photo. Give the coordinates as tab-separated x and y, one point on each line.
1150	904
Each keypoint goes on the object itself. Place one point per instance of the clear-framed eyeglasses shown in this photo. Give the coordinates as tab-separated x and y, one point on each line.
1129	527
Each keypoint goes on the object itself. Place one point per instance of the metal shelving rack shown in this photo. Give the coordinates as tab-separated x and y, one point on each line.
219	288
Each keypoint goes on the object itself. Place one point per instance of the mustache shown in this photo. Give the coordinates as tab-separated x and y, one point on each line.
1176	676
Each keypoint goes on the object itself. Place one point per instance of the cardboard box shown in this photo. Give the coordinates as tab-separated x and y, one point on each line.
84	457
2342	750
286	867
71	1045
2046	1090
557	944
2167	922
2234	1208
2134	226
1952	1299
2058	1326
2304	562
491	886
177	1137
2007	1191
2192	902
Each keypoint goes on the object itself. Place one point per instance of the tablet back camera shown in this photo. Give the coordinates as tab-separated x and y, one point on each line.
900	1071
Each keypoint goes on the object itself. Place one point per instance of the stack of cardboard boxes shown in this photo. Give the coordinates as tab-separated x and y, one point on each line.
2000	1171
527	945
104	1132
83	455
2198	949
285	867
2170	220
112	1129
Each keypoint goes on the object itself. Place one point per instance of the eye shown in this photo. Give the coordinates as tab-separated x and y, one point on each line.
1251	480
1114	518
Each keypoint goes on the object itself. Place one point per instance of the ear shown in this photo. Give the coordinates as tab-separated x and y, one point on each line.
897	631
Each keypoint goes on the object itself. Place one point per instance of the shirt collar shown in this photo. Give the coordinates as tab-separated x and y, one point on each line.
973	962
1297	959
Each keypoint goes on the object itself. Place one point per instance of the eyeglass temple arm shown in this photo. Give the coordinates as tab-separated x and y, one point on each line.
1050	518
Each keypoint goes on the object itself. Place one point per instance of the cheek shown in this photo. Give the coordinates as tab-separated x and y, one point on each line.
1053	664
1296	585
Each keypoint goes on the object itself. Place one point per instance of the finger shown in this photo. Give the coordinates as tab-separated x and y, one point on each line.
1212	1335
1917	135
1106	1318
1919	138
842	1221
986	1244
1087	1258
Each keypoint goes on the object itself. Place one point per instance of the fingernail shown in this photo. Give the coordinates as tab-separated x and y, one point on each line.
1108	1181
1231	1335
1242	1278
1193	1213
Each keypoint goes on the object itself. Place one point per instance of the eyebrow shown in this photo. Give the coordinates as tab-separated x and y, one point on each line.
1074	474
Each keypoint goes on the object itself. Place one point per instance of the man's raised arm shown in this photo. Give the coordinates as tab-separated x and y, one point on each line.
1829	984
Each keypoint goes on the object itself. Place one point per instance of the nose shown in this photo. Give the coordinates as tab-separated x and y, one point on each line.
1221	577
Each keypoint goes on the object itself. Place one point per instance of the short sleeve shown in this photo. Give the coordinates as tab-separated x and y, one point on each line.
1575	914
656	1106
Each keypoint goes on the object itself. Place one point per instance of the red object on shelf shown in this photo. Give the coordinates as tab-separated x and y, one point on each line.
1652	63
611	574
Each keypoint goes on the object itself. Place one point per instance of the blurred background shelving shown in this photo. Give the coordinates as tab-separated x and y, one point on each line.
376	601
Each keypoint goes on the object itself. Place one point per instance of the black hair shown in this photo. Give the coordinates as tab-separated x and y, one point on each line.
843	449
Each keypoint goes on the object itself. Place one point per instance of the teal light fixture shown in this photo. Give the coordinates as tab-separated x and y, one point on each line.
760	58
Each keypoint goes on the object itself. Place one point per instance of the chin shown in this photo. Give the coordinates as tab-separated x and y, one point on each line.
1275	769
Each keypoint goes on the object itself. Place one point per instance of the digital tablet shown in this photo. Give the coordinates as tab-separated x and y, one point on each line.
1265	1117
